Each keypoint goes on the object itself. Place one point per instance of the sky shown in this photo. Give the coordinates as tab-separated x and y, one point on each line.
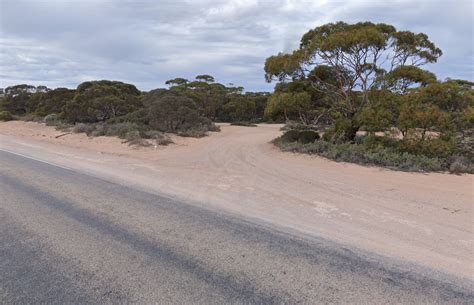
61	43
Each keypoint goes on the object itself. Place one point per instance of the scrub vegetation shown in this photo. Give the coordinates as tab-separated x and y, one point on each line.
362	89
350	92
113	108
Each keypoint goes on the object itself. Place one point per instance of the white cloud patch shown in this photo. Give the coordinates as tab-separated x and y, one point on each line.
61	43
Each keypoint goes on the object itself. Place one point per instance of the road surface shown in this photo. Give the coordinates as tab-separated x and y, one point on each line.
66	237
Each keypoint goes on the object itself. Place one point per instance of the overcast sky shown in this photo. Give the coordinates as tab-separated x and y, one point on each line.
64	42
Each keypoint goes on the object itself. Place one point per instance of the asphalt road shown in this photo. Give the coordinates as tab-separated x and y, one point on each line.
67	237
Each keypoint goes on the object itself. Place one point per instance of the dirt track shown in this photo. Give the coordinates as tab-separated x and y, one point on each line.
424	218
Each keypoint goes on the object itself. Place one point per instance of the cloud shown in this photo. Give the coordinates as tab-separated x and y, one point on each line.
61	43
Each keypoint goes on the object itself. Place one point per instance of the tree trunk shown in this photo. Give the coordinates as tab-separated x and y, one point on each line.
351	132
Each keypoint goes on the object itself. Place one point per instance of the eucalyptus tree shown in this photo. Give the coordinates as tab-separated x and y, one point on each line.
50	101
97	101
345	62
15	99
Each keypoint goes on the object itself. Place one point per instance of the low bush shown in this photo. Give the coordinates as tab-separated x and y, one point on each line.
83	128
134	134
292	125
302	136
63	126
460	164
104	129
30	117
197	132
120	129
159	137
308	136
133	138
369	153
51	119
5	116
213	128
243	123
290	136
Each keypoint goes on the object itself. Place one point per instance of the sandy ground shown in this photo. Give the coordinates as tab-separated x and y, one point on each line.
422	218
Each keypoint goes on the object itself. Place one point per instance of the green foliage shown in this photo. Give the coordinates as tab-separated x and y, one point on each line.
373	119
344	63
418	116
112	108
460	164
403	77
16	98
308	136
382	113
51	119
173	112
157	136
98	101
194	132
218	102
296	125
83	128
378	154
243	123
302	136
177	82
205	78
162	111
240	108
291	136
344	130
107	129
290	105
52	101
133	138
5	116
367	77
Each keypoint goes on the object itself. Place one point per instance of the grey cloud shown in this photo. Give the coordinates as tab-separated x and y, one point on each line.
61	42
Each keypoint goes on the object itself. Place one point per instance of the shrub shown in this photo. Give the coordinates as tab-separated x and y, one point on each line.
165	140
51	119
292	125
290	136
61	125
5	116
98	130
51	101
98	101
308	136
369	153
134	138
460	164
30	117
159	137
82	128
214	128
197	132
329	135
243	123
120	129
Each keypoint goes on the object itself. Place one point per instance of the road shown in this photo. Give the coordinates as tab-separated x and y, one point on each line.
68	237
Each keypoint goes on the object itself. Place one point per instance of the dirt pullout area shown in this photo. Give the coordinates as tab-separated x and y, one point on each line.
423	218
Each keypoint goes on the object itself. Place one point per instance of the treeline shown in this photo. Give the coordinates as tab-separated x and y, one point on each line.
188	108
351	79
350	92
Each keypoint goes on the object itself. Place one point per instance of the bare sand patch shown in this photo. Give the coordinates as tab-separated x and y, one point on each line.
424	218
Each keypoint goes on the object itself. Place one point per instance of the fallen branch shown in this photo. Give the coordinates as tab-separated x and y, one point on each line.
63	134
